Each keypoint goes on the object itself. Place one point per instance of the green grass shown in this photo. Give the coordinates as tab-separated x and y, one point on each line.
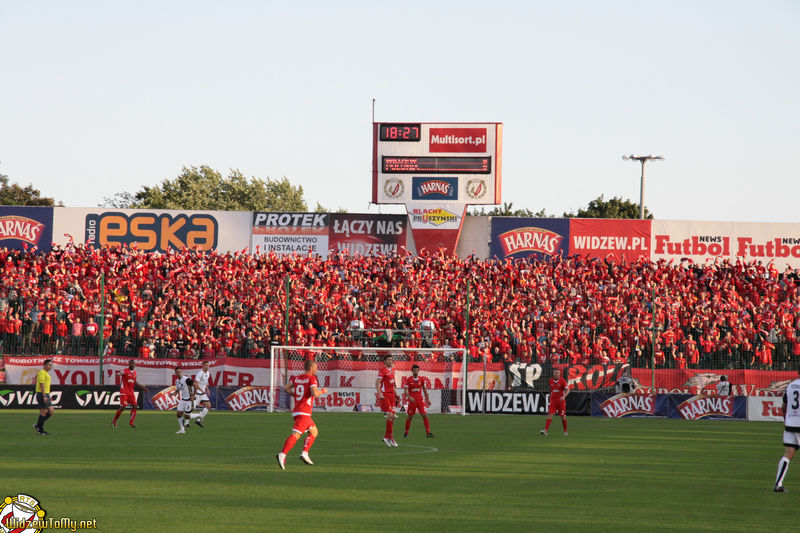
480	473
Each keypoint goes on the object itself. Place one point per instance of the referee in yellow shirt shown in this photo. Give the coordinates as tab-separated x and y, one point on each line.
43	396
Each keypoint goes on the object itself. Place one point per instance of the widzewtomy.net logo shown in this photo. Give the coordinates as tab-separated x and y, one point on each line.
23	514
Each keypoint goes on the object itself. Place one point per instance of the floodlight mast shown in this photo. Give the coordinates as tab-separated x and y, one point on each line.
641	159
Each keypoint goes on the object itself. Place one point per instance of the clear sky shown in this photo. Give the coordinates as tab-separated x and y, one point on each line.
101	97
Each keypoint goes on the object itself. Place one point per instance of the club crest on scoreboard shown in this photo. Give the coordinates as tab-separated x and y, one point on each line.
476	188
393	188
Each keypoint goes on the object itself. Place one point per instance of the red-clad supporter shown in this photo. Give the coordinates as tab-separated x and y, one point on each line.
581	309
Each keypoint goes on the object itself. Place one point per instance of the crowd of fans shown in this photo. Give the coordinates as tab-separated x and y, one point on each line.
189	304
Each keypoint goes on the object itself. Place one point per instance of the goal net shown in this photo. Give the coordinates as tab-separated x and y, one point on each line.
350	373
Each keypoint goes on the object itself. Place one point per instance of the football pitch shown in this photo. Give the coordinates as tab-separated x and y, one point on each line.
479	473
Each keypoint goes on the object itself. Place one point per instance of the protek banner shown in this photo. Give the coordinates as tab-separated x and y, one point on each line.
290	233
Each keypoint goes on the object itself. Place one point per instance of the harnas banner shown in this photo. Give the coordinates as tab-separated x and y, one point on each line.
516	238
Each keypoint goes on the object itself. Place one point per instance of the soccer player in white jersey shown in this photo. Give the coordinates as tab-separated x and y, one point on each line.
201	378
791	430
186	388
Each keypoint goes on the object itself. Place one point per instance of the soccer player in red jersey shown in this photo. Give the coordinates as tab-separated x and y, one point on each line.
127	397
415	387
303	388
558	401
386	395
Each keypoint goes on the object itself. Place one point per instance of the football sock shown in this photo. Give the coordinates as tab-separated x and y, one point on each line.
427	424
180	422
389	429
408	422
203	413
290	442
564	423
186	421
133	416
547	424
40	422
193	416
783	466
308	443
116	416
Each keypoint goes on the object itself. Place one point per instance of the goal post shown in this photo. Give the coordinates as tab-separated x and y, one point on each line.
349	373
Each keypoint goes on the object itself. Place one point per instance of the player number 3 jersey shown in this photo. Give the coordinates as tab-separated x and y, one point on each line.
792	399
303	396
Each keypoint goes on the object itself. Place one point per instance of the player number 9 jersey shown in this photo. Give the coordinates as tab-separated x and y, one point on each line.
303	397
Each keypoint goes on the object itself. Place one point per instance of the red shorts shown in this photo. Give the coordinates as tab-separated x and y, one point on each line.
302	423
557	407
417	406
388	403
127	399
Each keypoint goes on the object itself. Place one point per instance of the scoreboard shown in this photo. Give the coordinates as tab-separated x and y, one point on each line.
445	162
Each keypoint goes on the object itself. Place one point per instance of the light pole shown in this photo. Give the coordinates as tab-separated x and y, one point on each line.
642	159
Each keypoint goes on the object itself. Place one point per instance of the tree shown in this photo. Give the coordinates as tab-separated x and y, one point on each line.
614	208
507	210
14	194
204	189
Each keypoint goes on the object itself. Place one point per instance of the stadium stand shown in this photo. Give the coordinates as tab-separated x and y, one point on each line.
190	304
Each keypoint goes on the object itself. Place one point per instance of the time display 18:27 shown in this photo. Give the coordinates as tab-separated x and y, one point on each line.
400	132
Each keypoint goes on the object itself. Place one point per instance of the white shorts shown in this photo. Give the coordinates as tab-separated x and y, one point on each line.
792	439
201	398
185	406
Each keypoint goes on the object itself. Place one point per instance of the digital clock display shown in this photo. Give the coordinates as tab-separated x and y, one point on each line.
400	132
436	165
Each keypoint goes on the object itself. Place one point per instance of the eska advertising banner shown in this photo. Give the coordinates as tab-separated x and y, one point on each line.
24	228
707	241
367	234
290	233
518	238
153	230
607	238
